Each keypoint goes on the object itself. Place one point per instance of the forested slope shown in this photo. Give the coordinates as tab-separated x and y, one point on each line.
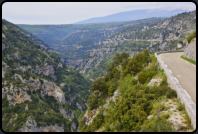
37	88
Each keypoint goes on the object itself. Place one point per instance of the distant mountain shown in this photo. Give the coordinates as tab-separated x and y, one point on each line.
133	15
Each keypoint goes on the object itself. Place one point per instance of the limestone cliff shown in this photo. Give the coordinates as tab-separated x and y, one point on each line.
190	50
31	126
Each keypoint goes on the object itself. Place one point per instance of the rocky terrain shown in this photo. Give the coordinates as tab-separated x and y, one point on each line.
39	92
167	34
190	50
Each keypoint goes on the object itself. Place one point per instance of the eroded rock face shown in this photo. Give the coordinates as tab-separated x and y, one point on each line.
190	50
60	65
19	76
51	89
73	126
79	106
4	46
34	84
3	73
17	97
31	126
67	113
47	71
3	35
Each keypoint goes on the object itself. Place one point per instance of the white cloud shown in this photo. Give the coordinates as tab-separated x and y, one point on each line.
71	12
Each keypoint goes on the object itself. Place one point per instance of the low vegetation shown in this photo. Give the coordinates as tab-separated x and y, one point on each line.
136	100
189	60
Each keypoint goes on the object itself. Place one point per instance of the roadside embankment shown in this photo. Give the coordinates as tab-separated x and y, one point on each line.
181	93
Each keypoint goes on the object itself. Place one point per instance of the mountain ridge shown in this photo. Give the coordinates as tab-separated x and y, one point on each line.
129	15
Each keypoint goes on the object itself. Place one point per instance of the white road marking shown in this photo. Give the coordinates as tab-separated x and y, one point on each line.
178	76
169	70
176	79
187	93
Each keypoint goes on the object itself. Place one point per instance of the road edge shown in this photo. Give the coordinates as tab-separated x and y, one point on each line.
190	106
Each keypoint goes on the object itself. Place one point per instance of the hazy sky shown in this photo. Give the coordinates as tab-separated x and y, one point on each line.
71	12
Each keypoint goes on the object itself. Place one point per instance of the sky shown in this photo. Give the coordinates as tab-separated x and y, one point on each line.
71	12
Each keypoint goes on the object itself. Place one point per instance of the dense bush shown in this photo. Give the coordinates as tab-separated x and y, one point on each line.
111	90
171	94
157	124
192	36
146	75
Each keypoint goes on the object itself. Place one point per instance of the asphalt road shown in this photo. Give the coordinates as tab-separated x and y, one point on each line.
184	71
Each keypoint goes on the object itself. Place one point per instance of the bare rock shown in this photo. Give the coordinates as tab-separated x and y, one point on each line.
179	45
4	46
51	89
34	84
67	113
31	126
60	65
26	107
3	35
154	82
190	50
3	73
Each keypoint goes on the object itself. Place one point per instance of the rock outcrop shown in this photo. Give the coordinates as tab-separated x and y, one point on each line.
51	89
67	113
34	84
31	126
46	71
190	50
16	96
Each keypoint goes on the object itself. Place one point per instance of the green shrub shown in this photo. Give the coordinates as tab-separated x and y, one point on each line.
192	36
146	75
162	70
157	124
164	83
127	82
171	93
165	116
29	92
181	107
111	90
98	120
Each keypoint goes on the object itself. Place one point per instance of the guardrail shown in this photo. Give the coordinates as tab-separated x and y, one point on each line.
190	106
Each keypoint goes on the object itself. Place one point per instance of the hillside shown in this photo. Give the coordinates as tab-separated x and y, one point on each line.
134	96
78	45
33	38
132	15
39	92
167	34
51	34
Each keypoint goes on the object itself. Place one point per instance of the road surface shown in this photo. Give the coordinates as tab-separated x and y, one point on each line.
184	71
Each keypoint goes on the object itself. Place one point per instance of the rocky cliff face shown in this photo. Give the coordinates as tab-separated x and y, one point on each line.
31	126
36	83
190	50
51	89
